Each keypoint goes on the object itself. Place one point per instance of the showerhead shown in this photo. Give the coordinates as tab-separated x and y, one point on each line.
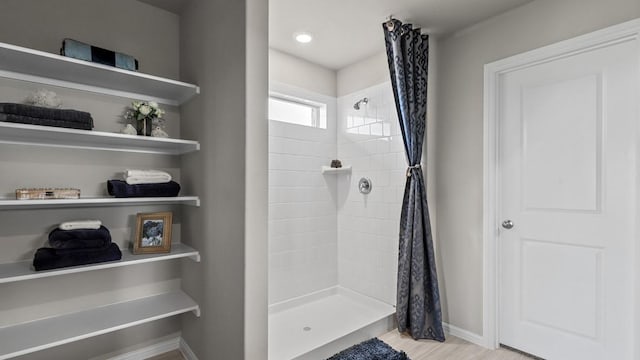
361	101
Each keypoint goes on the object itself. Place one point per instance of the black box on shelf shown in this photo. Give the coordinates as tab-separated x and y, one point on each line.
79	50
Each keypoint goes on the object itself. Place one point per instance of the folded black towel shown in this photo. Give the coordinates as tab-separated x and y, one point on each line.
121	189
45	122
46	113
48	258
80	238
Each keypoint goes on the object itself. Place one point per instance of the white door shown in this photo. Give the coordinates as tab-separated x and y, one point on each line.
568	185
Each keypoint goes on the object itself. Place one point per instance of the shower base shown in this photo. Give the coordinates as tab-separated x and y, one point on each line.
318	325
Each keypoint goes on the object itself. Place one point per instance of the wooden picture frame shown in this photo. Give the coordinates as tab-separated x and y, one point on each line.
153	233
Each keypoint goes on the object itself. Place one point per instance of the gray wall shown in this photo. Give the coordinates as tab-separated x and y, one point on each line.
363	74
147	33
153	39
229	119
459	148
256	184
290	70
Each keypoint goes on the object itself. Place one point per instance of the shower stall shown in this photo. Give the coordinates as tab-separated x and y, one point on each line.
332	246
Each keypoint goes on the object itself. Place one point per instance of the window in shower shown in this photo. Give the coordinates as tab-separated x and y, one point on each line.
297	111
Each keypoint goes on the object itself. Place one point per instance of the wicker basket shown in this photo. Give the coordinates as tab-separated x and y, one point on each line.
47	193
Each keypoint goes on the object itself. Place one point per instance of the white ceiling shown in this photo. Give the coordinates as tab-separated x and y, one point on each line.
347	31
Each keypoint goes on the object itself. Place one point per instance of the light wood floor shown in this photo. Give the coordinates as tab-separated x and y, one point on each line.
452	349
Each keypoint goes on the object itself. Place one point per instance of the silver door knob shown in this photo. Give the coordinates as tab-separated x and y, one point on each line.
507	224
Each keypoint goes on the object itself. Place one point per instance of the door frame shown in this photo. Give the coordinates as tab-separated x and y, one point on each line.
627	31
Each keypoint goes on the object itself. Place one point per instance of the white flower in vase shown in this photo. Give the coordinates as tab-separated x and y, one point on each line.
143	113
145	110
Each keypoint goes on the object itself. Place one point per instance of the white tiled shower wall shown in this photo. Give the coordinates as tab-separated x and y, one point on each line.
369	139
322	231
302	204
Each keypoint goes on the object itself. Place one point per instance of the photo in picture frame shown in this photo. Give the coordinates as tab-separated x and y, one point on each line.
153	233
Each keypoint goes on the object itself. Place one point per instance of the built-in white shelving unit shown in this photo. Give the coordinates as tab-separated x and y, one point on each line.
24	134
41	67
22	270
21	63
42	334
7	204
335	171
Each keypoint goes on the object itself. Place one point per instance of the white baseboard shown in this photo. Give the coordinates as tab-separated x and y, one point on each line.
186	350
174	343
151	350
465	335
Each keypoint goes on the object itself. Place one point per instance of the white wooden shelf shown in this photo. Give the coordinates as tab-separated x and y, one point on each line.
21	63
6	204
42	334
335	171
25	134
22	270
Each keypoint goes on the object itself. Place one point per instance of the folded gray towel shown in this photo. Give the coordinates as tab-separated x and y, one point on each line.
45	122
46	113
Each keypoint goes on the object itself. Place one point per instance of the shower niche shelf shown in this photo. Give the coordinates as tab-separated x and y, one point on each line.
336	171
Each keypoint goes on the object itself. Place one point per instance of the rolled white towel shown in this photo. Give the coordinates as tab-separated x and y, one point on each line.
80	224
146	173
133	180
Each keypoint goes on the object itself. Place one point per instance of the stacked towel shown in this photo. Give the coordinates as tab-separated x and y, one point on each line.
80	225
121	189
48	258
143	183
37	115
82	245
80	238
135	177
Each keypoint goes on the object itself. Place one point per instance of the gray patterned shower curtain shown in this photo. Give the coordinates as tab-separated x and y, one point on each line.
418	299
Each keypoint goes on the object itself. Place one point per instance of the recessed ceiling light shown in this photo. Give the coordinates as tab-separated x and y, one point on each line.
303	38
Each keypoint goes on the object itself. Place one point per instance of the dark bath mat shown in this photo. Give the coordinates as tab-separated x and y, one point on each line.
374	349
